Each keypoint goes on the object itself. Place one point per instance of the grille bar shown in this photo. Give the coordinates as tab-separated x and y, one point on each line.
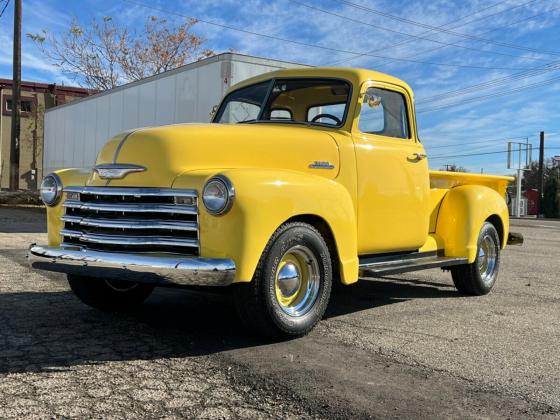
131	207
98	238
131	220
129	191
132	224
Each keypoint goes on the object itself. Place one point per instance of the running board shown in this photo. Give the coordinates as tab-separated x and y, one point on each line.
379	266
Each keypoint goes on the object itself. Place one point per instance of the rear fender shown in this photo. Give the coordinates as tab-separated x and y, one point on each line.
463	211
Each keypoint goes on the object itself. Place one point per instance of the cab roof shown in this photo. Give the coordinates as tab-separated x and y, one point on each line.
354	75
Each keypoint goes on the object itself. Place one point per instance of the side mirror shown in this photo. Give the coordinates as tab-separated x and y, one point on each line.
213	112
372	98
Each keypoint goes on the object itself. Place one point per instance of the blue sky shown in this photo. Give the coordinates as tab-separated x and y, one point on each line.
491	39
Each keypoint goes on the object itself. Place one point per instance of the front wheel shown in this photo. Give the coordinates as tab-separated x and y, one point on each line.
479	277
109	295
291	286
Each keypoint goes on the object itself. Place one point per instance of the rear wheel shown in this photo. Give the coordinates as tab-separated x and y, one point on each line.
109	295
291	286
479	277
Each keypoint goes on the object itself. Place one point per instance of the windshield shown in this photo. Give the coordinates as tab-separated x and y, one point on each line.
303	101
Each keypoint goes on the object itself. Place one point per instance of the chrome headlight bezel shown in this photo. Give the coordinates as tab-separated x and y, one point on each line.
223	184
51	200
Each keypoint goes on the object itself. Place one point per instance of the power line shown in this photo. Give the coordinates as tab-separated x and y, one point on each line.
468	143
485	153
322	47
552	66
490	30
378	27
447	31
408	41
489	96
491	83
5	7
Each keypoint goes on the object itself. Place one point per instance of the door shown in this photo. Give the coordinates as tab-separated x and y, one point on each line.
393	179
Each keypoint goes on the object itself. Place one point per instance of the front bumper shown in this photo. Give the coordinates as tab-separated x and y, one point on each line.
165	270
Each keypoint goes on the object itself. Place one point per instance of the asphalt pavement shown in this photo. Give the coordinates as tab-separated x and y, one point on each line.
406	346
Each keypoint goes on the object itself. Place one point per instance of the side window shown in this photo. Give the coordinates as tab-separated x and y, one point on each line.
384	113
280	114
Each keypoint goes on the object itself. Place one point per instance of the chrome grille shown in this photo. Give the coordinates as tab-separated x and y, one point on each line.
131	219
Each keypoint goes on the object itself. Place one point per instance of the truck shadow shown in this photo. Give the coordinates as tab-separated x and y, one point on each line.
372	293
42	331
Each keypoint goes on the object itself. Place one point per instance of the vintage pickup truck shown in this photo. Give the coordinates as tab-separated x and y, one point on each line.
305	178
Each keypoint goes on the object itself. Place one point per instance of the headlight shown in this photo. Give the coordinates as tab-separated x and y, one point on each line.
51	189
218	195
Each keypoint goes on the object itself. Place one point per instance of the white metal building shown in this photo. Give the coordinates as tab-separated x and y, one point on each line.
76	131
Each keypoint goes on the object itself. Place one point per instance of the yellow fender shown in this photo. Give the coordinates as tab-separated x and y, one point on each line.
68	177
463	211
264	200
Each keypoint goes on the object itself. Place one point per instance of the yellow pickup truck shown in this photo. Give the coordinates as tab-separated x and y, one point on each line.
305	178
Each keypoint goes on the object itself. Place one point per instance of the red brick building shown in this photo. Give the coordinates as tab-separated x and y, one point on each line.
35	99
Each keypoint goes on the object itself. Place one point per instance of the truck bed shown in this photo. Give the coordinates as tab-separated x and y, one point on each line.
446	180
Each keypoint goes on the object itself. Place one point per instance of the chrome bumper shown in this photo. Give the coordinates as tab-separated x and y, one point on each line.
169	269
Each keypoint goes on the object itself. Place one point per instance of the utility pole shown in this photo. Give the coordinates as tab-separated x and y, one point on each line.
521	167
16	100
540	185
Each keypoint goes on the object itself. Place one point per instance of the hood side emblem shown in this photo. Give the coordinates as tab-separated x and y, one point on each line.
116	170
319	164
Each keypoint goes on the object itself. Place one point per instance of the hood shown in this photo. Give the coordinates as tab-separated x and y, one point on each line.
168	151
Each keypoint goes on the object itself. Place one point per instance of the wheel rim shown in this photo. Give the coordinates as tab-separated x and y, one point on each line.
487	257
121	286
297	281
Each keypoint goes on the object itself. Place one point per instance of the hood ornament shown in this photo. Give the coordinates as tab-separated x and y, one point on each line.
116	170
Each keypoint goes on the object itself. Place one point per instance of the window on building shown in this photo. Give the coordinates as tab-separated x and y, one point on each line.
26	105
384	113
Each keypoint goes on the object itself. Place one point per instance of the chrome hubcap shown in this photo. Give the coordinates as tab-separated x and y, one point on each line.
297	281
487	256
289	280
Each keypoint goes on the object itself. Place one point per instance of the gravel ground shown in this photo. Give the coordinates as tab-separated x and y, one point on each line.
401	347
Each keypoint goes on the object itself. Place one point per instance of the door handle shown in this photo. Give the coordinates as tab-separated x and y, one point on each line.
417	156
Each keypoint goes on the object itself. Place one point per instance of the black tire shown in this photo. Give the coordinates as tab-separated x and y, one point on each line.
257	302
109	295
468	278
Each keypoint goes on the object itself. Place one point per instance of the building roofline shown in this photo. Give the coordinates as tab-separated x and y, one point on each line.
46	86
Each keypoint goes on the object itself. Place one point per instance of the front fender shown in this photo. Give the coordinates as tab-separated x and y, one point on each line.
463	211
264	200
75	177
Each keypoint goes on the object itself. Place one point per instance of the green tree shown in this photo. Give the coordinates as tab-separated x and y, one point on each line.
551	205
551	174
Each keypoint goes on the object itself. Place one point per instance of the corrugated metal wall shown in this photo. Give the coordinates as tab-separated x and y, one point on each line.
75	132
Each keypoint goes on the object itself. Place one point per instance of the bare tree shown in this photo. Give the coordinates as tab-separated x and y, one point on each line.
454	168
106	54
